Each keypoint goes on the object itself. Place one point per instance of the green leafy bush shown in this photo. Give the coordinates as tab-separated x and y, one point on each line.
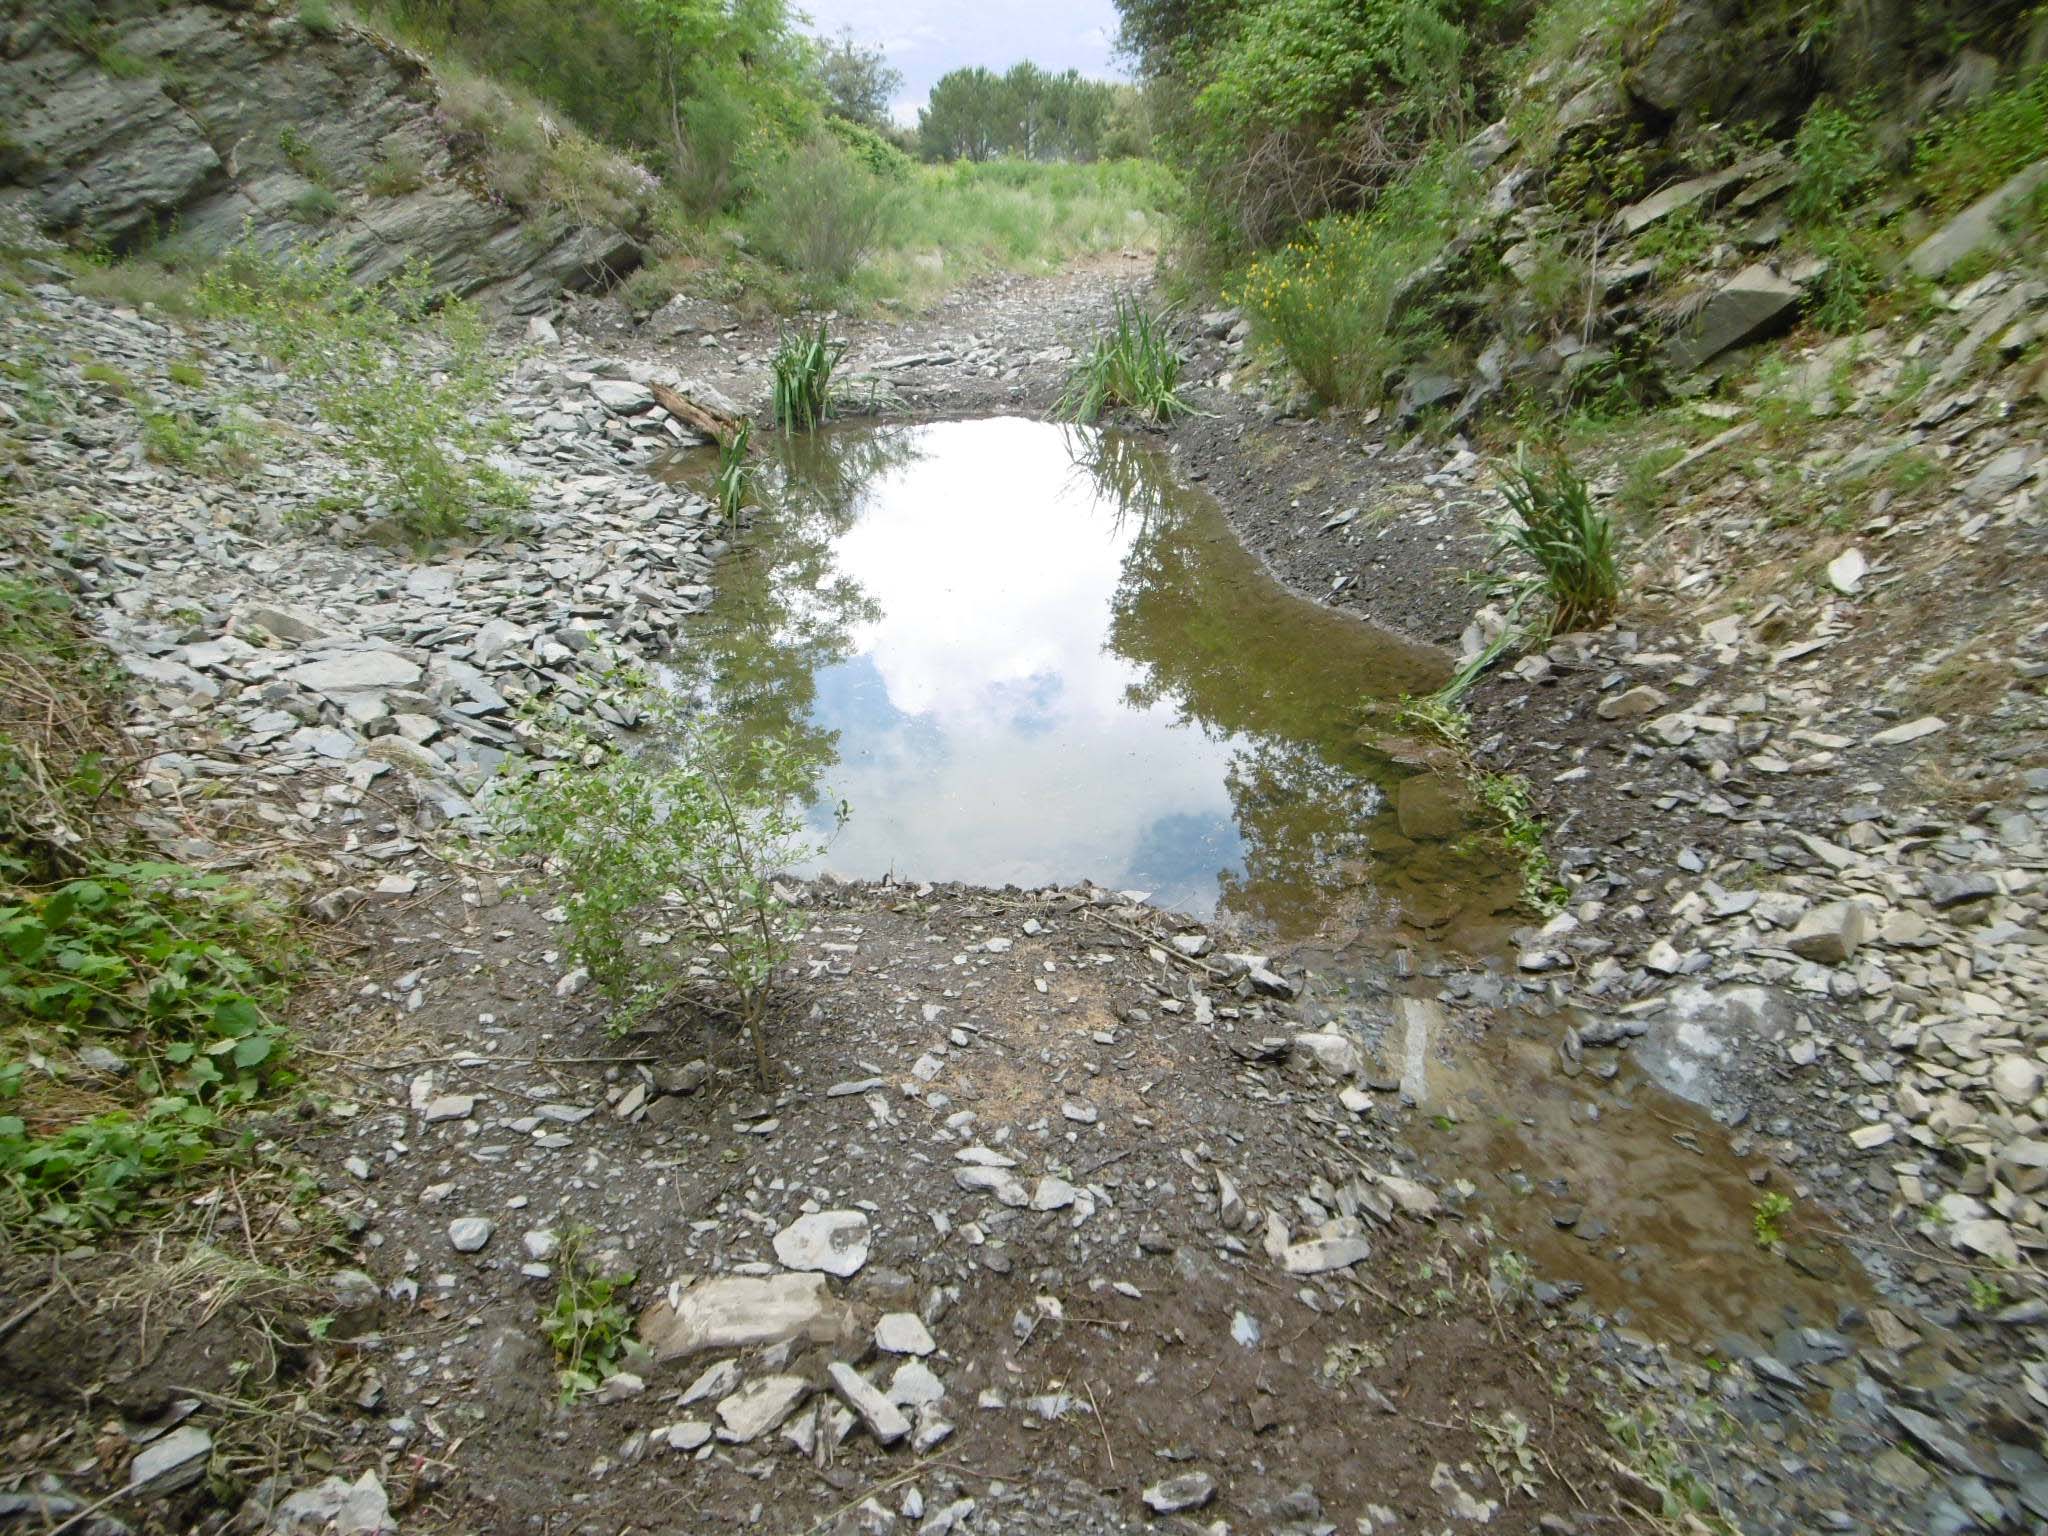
684	838
819	213
1837	155
182	970
93	1175
803	366
1332	301
1134	365
1555	525
402	375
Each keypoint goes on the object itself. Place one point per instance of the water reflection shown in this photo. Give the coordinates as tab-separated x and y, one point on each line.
1026	654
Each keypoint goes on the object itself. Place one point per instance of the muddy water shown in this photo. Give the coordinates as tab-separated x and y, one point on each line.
1025	654
1028	654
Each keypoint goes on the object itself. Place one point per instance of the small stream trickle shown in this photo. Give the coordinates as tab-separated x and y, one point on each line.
1027	654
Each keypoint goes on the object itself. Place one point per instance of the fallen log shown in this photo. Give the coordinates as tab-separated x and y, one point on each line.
719	426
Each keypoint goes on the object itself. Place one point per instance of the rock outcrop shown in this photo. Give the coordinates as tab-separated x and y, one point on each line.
200	124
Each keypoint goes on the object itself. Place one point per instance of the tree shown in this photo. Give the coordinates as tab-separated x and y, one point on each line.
859	82
975	114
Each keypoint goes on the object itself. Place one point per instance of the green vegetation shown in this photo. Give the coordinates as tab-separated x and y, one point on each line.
399	169
588	1326
1507	796
1555	525
803	365
819	214
1969	153
410	433
318	18
685	838
733	486
1331	299
138	1001
1766	1219
1029	114
1133	366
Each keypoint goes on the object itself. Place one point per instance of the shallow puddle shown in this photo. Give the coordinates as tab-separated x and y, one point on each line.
1027	655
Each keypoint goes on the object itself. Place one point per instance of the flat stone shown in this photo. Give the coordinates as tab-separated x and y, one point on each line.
885	1421
1912	730
1866	1138
1636	702
1191	1490
1946	891
718	1381
1847	570
1320	1255
1005	1186
744	1312
449	1106
1052	1194
759	1406
835	1242
468	1234
1427	810
354	672
1976	226
690	1435
916	1386
903	1333
173	1460
1755	303
622	395
1336	1054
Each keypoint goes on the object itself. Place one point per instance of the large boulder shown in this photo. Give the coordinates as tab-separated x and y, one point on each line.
1691	62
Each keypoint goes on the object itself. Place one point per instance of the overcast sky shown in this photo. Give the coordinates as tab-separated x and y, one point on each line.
927	38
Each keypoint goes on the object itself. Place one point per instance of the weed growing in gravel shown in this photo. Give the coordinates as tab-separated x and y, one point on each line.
398	170
803	365
403	376
1134	365
1507	796
1556	526
588	1326
671	854
1766	1219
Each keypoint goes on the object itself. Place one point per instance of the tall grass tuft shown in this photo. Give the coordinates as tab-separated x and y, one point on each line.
1133	365
804	365
733	484
1570	541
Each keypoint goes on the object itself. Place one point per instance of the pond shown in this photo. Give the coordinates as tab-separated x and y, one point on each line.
1028	654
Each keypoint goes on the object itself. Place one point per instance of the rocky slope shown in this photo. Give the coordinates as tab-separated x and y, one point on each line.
194	126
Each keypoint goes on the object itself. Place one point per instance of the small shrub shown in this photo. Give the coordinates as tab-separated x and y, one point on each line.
402	374
1555	525
1677	243
93	1175
138	283
109	378
686	837
300	154
818	213
318	18
1133	365
803	366
588	1325
1837	155
399	170
187	375
1767	1217
1507	796
1852	280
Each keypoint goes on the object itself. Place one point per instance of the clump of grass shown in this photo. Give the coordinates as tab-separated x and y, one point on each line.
399	169
588	1326
1555	525
1964	156
187	374
109	378
734	483
318	18
803	366
1134	365
316	205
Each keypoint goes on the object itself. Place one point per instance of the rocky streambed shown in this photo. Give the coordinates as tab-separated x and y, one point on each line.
1067	1216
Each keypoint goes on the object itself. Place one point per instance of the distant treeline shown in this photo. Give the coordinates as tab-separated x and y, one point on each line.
1031	114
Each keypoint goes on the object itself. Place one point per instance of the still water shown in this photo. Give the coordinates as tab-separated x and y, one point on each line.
1025	654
